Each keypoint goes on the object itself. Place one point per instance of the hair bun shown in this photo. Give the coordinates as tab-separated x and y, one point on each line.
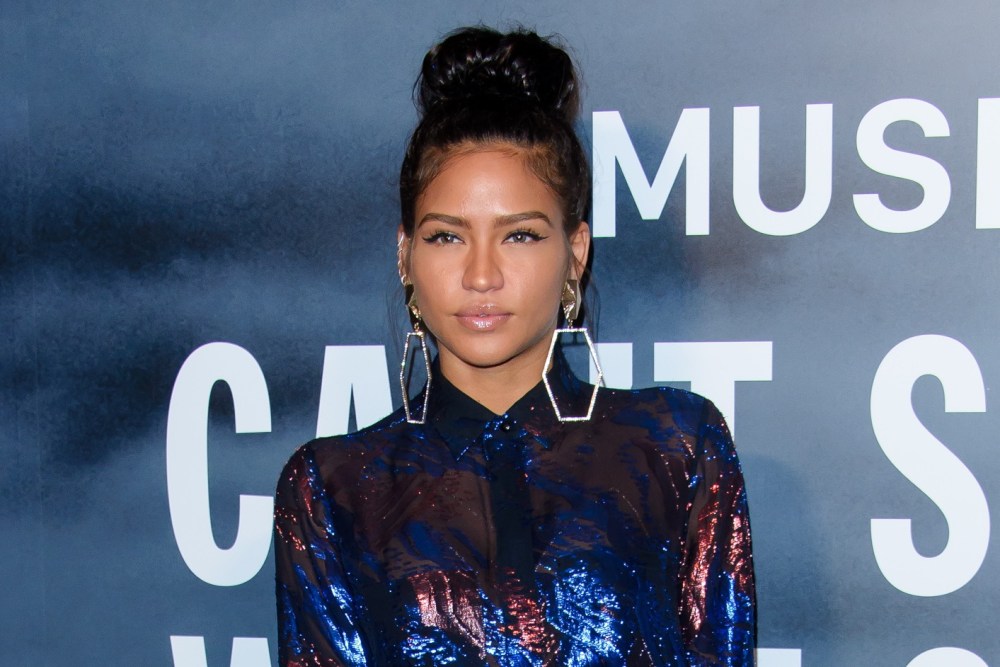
476	63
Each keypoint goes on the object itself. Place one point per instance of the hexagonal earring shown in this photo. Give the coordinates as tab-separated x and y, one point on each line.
421	336
571	310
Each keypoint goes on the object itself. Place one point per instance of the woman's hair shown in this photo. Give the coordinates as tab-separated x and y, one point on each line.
480	87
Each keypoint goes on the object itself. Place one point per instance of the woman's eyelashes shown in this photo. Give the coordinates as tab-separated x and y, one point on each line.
515	236
442	238
524	236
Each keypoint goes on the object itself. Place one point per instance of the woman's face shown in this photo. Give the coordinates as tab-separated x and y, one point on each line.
489	258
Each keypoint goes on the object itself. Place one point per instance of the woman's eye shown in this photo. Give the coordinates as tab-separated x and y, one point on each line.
442	238
524	236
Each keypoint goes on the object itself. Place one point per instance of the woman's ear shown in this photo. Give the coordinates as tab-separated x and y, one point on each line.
579	243
402	255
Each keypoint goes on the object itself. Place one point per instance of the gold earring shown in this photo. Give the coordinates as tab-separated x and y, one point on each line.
570	302
412	305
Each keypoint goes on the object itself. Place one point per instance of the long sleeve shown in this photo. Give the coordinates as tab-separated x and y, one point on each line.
319	616
718	615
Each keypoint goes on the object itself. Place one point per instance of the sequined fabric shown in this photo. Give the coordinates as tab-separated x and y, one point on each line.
514	539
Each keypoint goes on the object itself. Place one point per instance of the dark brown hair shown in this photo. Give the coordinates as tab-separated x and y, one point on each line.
480	87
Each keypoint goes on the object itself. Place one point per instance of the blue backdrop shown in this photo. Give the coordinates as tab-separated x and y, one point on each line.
797	208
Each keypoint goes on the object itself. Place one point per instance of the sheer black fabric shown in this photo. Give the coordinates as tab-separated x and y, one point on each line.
515	539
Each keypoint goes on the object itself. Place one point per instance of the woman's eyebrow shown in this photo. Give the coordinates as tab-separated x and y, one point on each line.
446	219
516	218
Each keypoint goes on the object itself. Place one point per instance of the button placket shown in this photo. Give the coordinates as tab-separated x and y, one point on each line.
501	436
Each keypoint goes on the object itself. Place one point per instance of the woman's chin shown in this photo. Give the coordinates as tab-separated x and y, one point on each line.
492	354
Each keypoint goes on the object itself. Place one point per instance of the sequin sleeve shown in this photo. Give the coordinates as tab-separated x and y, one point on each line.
717	587
319	616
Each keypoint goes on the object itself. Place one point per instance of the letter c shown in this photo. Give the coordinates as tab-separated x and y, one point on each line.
187	464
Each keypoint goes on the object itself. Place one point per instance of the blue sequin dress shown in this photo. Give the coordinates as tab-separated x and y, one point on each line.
516	539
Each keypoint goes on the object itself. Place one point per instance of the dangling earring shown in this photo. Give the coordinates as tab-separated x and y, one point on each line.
571	302
418	333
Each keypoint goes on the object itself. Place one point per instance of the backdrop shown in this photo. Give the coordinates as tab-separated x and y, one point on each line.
797	208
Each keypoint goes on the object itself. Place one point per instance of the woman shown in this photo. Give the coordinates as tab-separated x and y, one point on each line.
509	516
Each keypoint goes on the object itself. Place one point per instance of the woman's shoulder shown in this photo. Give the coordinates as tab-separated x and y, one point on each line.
668	414
659	407
326	456
386	430
669	421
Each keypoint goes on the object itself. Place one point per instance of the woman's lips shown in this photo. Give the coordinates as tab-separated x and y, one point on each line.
485	319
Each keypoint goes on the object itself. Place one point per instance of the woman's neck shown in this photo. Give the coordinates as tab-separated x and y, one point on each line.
497	387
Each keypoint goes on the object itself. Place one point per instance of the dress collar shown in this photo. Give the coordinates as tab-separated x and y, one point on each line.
463	422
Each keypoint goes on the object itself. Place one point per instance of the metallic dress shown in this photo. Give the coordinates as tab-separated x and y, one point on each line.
517	539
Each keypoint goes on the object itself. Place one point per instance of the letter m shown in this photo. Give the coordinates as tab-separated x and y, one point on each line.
613	146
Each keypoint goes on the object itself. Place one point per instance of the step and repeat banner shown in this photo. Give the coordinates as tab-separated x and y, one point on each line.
796	211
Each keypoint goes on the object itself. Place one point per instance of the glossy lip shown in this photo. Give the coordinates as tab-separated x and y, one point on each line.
485	317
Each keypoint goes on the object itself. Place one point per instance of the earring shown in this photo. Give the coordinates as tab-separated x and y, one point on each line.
571	301
411	304
417	333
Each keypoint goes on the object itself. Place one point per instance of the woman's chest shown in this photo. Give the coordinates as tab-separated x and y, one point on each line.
537	560
526	515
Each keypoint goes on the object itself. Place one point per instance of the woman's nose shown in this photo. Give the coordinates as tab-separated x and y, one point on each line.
482	270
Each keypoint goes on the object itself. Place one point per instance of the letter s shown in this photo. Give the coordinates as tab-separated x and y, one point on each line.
930	466
922	170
